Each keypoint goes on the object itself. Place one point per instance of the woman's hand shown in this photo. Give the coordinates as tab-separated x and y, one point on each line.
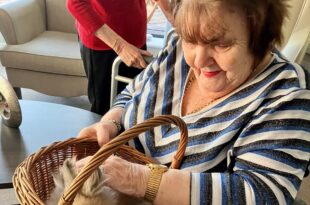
130	55
102	131
166	8
105	130
126	177
82	162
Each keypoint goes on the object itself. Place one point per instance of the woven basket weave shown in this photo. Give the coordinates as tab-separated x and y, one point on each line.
32	179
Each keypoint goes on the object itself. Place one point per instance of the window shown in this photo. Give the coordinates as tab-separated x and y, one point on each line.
157	26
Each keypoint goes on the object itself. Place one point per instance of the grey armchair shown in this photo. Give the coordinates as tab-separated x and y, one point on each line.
297	30
42	51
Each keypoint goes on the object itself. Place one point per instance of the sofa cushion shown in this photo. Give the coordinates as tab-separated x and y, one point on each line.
58	16
20	21
51	52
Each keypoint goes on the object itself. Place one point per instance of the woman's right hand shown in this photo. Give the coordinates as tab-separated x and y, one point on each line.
102	131
131	55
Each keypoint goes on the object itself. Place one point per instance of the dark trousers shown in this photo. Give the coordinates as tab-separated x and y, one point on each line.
98	67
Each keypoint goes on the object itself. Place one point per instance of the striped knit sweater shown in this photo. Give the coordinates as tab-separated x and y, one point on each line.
252	147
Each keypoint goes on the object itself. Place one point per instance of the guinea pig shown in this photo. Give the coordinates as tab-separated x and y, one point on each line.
93	191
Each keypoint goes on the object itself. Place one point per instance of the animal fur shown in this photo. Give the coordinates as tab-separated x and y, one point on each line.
93	191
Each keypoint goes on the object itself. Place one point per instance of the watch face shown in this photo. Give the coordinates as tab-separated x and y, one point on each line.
157	166
162	166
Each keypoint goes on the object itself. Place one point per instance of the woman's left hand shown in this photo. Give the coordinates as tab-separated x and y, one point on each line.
131	179
126	177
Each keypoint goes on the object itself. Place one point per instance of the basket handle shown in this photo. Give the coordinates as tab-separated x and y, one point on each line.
112	146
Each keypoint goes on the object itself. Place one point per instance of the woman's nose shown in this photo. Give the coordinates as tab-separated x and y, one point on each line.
203	57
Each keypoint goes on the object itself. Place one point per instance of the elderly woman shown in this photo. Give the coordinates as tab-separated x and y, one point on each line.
246	108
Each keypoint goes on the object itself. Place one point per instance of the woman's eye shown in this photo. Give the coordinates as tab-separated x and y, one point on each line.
222	46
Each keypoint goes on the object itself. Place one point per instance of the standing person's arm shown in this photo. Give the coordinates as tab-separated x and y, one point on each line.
130	55
88	18
166	8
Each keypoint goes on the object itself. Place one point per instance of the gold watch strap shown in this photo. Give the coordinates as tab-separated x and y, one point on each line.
157	172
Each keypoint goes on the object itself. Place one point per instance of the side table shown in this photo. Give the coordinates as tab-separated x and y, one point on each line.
43	123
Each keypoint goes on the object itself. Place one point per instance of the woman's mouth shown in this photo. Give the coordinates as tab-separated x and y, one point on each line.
210	74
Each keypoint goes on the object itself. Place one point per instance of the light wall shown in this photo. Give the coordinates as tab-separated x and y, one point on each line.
1	39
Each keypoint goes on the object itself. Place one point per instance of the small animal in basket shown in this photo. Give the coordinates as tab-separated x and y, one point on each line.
93	192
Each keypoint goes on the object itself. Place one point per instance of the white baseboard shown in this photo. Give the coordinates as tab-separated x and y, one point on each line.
2	41
2	44
308	49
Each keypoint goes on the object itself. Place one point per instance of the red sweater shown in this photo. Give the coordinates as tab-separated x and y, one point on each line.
126	17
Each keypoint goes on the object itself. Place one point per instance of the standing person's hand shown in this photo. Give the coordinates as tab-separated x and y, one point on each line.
166	7
131	55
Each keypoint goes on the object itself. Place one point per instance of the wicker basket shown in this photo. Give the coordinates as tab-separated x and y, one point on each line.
32	179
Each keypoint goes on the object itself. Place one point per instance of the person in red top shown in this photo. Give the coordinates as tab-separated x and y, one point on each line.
106	29
168	7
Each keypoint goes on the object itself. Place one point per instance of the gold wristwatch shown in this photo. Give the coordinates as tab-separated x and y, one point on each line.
157	172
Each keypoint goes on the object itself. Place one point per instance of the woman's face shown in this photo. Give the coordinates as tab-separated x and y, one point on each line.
223	63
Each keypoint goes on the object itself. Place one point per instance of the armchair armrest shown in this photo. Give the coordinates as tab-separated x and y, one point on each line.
297	44
21	21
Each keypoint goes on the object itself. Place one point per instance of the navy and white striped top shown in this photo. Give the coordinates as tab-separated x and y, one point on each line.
250	148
